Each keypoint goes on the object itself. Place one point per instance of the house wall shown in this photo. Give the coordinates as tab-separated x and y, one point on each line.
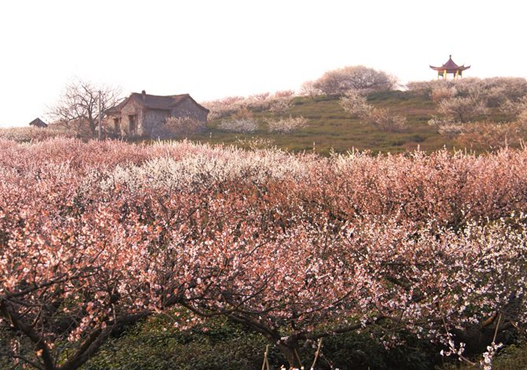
153	118
109	123
132	109
188	108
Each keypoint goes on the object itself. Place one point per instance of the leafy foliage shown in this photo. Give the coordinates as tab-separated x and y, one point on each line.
158	345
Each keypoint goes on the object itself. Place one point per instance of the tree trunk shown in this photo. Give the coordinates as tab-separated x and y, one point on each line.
93	125
291	355
287	346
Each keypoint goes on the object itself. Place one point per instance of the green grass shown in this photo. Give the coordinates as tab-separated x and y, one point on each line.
330	128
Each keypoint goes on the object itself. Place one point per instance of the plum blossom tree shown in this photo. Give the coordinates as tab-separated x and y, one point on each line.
360	78
74	270
312	282
515	108
95	236
286	125
462	109
356	105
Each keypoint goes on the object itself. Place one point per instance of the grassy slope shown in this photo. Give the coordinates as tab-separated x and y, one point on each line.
330	128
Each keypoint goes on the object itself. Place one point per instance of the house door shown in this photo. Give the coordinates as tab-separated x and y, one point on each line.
117	125
133	124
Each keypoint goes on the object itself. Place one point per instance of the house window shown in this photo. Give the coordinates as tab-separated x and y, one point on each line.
131	120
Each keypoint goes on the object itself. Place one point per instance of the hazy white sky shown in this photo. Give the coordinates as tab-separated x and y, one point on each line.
213	49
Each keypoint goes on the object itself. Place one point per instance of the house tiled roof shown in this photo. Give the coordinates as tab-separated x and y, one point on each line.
37	122
154	101
159	102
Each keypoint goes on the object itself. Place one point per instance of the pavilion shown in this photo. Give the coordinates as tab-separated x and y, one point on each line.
450	67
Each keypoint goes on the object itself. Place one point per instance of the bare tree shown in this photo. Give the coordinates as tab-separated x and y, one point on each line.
78	106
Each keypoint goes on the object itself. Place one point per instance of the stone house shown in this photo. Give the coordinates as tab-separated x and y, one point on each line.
142	114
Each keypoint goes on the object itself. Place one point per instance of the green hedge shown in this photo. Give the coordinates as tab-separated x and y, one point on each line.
158	345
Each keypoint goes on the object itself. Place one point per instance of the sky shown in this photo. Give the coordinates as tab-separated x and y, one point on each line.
213	49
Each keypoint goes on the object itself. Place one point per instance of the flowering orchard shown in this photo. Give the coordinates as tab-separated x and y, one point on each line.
96	236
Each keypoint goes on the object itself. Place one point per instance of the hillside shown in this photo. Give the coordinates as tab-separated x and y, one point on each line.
330	128
474	120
